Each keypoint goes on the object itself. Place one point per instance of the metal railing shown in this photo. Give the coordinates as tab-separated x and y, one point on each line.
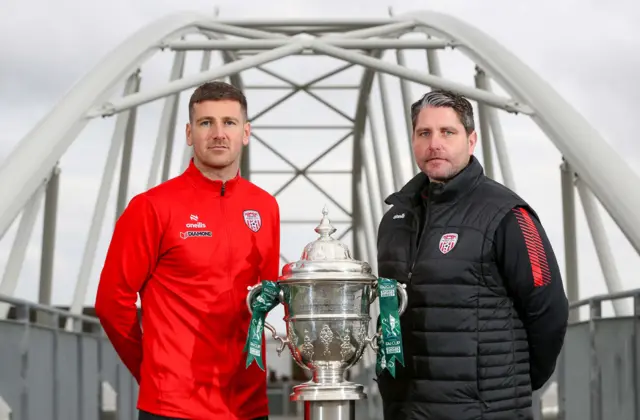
50	373
597	372
47	372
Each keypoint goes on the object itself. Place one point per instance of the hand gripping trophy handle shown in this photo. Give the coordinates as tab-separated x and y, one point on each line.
254	291
403	300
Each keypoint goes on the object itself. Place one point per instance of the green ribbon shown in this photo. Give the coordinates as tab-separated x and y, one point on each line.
266	301
390	343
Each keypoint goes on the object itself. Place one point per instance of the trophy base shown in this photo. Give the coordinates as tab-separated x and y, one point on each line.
342	391
330	410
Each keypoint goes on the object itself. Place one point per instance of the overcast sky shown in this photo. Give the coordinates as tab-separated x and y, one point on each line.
586	50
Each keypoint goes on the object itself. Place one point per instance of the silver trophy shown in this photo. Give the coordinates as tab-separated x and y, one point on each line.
327	296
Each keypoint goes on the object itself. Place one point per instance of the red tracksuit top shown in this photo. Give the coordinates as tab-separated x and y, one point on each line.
191	246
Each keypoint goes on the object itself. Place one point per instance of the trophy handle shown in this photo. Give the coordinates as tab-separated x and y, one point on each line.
403	299
283	341
254	291
373	294
373	341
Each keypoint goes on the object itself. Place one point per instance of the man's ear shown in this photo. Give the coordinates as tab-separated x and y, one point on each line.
247	133
188	134
473	140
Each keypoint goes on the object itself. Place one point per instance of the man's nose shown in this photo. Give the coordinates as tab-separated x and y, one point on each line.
436	142
217	130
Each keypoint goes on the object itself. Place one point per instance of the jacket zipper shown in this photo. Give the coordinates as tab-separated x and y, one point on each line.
225	227
419	244
226	230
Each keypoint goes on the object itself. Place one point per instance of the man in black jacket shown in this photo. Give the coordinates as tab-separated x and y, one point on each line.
487	311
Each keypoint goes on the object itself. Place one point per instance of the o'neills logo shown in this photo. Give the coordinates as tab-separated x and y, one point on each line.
196	234
198	225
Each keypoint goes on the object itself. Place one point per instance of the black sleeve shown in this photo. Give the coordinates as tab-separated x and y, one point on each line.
529	268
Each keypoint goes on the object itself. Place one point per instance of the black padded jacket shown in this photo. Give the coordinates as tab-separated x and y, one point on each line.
487	311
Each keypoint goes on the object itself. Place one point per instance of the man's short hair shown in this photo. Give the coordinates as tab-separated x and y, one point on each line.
217	91
445	98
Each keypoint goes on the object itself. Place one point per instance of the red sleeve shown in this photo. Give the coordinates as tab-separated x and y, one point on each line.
130	260
528	265
271	267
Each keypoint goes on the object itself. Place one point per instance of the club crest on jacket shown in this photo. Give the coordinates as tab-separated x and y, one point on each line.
252	219
447	242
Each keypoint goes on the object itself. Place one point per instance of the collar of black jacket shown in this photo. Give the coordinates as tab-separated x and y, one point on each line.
411	194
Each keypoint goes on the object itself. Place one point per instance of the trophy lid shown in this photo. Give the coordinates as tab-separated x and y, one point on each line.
326	259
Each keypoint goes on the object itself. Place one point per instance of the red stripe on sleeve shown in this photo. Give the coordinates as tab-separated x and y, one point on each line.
535	249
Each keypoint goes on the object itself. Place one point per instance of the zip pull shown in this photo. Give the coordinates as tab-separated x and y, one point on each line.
222	189
411	271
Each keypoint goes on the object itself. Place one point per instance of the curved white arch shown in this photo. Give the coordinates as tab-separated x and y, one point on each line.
36	154
594	160
34	157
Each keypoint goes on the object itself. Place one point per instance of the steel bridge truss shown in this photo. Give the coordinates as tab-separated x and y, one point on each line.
29	177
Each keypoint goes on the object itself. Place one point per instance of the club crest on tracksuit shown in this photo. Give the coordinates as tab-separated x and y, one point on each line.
447	242
252	219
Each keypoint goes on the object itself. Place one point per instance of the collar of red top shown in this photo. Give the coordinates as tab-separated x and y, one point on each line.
217	187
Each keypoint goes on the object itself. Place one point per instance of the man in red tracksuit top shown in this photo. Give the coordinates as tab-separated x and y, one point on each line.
190	247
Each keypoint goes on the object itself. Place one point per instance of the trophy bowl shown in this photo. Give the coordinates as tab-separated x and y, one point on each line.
327	297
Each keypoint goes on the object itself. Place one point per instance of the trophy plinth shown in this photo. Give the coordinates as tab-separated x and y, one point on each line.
327	296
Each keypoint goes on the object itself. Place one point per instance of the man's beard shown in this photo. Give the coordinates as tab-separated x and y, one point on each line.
450	174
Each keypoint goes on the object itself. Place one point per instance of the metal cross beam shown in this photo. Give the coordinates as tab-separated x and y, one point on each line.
350	44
